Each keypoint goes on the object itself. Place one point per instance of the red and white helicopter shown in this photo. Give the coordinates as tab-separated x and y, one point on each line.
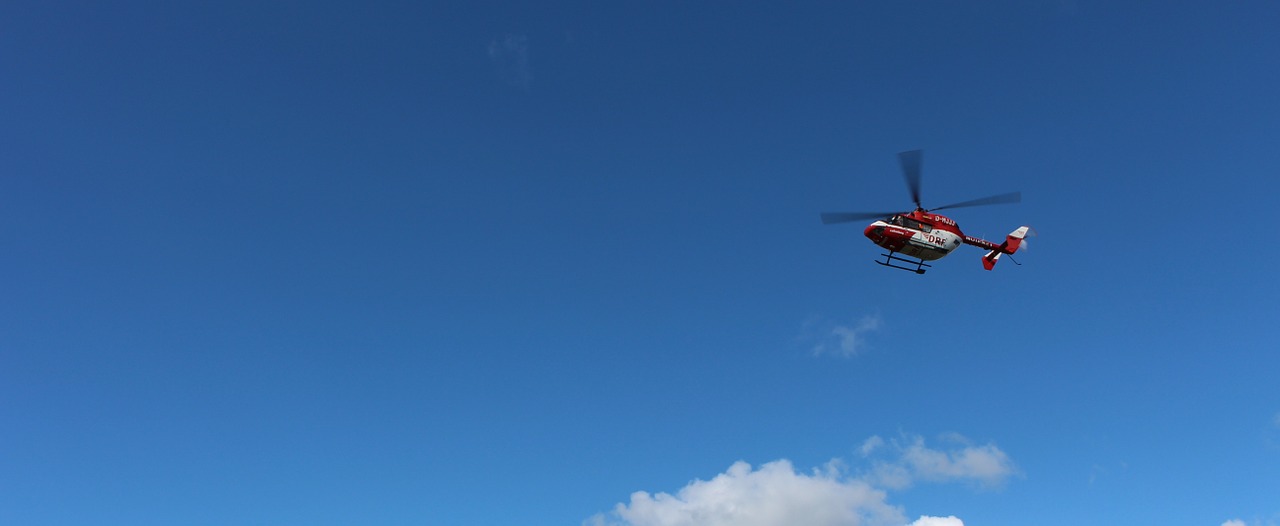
924	235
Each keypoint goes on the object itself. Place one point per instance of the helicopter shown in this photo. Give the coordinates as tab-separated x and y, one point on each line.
912	238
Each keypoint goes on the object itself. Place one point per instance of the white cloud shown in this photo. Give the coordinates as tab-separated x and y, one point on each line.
775	494
938	521
1234	522
840	339
986	465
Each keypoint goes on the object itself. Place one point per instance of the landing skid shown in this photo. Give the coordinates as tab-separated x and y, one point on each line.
890	258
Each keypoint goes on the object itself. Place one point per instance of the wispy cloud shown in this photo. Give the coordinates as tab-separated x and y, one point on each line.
510	58
908	460
839	339
1274	520
1095	472
776	494
870	445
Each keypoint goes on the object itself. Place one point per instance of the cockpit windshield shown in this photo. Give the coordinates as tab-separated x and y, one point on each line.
907	222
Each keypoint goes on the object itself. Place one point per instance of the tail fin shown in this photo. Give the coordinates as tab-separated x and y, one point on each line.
1011	244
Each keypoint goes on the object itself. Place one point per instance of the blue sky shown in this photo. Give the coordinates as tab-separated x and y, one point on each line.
561	263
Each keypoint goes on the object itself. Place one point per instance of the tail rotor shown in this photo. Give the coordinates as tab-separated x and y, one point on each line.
1012	243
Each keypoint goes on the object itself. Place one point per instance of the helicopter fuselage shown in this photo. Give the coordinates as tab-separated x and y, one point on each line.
918	234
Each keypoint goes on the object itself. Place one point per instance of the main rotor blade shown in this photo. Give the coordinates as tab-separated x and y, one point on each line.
830	218
1011	197
911	171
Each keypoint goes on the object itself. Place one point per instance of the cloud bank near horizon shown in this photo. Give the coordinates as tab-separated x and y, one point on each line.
776	494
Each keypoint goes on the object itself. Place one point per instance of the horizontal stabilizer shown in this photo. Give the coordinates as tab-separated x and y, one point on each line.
1011	244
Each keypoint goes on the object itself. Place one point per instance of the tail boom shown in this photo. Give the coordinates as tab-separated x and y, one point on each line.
1012	243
